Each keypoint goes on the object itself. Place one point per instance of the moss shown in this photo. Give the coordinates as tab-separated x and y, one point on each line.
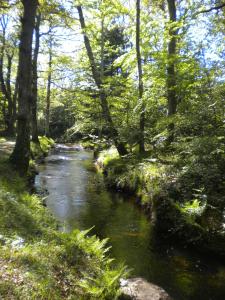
42	149
46	143
131	173
37	261
88	145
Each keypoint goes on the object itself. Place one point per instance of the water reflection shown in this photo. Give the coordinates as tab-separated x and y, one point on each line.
78	198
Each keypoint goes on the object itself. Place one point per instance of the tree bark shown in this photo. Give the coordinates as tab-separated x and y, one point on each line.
15	97
98	81
102	48
21	153
34	126
10	114
48	96
171	72
3	82
140	81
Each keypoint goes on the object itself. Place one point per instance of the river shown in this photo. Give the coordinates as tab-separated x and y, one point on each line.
78	199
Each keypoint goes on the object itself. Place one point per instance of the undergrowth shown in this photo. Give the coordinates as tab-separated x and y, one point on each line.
141	176
182	190
39	262
39	150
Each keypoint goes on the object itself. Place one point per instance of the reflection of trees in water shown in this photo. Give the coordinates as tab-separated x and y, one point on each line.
81	200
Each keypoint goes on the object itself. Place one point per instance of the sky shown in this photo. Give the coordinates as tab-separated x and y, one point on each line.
71	40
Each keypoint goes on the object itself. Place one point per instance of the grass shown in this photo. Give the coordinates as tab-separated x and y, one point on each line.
135	174
39	262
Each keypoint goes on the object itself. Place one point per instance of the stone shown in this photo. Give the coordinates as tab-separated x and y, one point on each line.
140	289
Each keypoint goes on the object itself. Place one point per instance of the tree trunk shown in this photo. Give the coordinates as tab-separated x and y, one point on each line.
171	72
5	84
48	97
102	48
15	97
98	81
140	81
10	116
3	87
34	126
21	153
2	80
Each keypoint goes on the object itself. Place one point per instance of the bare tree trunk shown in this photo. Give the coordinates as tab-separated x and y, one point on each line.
5	84
10	114
98	81
140	81
21	153
3	88
48	96
34	126
102	48
15	97
171	72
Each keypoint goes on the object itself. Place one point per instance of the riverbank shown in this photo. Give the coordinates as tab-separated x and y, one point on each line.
39	262
184	201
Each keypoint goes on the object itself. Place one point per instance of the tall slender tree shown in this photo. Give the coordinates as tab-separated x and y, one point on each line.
49	82
140	79
5	81
21	153
34	127
171	71
102	94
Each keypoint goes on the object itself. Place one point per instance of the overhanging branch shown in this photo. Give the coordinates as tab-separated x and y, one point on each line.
218	7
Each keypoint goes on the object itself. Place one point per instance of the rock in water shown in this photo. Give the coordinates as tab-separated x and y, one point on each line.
140	289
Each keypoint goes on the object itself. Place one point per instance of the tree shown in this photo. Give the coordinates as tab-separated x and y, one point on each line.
34	127
21	153
140	80
49	81
171	72
5	81
102	95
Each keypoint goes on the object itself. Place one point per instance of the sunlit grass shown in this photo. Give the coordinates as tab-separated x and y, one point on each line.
132	173
37	261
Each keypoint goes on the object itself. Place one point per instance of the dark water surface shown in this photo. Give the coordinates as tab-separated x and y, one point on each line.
77	197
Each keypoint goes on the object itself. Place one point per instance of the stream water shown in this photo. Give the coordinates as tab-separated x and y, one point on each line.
78	198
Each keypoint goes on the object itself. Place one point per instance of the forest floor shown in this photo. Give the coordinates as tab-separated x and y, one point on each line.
36	260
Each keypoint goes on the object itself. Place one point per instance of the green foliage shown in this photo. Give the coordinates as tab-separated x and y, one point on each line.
103	282
137	174
39	262
41	150
192	209
46	143
194	160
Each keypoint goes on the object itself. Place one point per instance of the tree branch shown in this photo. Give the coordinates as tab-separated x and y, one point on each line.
212	8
